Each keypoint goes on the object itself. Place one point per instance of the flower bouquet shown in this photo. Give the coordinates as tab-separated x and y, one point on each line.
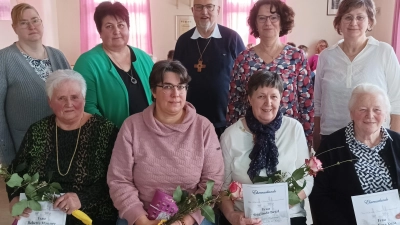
186	204
311	167
35	191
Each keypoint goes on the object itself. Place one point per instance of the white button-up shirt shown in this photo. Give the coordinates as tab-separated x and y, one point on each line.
215	33
336	77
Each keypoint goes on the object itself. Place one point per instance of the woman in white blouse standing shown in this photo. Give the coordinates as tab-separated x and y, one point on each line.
261	143
354	60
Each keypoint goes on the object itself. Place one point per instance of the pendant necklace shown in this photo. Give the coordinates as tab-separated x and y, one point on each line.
133	80
200	64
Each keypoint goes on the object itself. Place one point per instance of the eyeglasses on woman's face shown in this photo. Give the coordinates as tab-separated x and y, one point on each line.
169	88
350	18
263	19
25	23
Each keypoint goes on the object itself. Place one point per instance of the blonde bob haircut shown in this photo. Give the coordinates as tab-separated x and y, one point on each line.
18	10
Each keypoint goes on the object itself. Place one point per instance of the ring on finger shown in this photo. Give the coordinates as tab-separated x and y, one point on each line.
66	209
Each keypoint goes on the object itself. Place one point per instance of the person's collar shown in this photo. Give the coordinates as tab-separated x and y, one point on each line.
215	33
371	41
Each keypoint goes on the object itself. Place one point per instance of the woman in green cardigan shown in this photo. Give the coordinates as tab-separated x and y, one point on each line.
117	75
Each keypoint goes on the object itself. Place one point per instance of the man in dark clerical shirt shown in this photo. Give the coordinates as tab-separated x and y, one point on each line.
208	52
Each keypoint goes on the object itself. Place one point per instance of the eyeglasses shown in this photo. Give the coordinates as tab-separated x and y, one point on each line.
25	24
263	19
199	7
168	88
349	19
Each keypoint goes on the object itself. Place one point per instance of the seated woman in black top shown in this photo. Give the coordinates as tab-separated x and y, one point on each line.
364	140
75	146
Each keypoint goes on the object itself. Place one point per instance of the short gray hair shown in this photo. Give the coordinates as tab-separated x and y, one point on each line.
366	88
60	76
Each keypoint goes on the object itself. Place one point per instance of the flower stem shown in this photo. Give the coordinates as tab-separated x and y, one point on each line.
338	163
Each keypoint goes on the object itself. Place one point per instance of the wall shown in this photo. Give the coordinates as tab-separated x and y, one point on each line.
69	30
7	36
312	24
384	26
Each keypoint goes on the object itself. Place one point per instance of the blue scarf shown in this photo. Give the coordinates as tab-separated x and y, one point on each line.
265	153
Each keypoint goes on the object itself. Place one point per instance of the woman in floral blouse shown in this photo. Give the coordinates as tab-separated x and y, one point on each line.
269	20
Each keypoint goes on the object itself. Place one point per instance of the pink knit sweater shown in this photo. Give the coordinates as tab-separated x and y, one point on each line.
149	155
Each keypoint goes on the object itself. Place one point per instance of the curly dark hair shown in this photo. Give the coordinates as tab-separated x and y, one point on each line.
285	12
115	9
348	5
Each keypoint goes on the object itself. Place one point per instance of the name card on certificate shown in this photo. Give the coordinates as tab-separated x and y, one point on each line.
268	202
378	208
48	215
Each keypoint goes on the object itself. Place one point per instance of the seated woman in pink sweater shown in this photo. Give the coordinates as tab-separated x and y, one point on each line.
166	145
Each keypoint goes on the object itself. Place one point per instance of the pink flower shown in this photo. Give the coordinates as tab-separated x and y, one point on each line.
314	166
235	190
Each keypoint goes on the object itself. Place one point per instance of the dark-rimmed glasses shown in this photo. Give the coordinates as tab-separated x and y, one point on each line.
200	7
168	88
263	19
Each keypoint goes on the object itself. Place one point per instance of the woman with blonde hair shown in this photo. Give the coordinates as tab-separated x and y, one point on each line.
24	68
313	60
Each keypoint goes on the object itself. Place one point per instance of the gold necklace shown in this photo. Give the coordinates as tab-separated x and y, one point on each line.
200	64
76	146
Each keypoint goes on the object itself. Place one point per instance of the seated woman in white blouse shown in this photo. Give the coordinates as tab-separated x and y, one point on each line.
261	143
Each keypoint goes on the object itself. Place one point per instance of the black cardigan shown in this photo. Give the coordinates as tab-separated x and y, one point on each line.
330	199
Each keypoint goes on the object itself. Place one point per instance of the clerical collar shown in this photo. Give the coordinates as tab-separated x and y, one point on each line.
215	33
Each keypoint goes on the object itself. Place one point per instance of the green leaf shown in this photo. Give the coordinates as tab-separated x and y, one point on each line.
19	207
15	180
35	177
20	167
56	185
34	205
177	194
298	174
293	198
208	213
52	190
30	191
208	193
27	178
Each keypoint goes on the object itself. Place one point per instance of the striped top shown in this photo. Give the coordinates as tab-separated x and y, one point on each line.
23	98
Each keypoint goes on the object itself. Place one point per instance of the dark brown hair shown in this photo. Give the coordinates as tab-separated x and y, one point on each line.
163	66
115	9
170	54
347	5
264	78
285	12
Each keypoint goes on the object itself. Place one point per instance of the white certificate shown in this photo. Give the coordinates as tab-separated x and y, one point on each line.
48	215
269	202
377	209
